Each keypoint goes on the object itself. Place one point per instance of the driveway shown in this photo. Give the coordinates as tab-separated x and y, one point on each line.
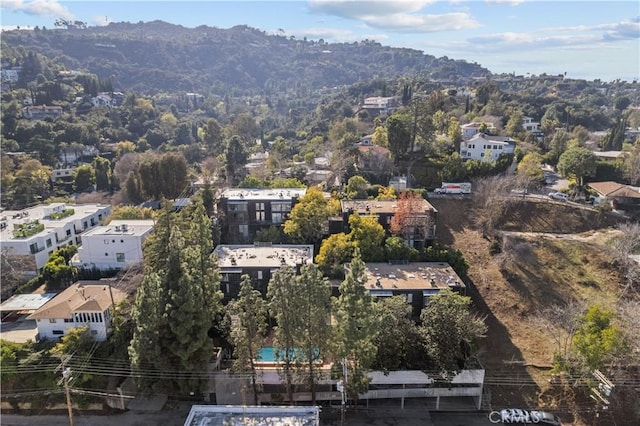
19	331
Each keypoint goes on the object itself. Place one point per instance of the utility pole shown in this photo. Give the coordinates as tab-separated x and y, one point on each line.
66	378
66	375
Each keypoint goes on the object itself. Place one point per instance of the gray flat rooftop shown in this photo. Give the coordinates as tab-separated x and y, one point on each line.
131	227
231	415
411	276
273	256
238	194
26	302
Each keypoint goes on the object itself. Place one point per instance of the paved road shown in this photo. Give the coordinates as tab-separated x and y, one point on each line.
379	417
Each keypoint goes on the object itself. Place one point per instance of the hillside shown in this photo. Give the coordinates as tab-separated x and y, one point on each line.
157	56
567	261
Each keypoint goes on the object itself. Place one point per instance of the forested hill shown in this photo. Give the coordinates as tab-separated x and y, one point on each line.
158	56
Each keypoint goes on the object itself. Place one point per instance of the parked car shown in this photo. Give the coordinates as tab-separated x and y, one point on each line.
560	196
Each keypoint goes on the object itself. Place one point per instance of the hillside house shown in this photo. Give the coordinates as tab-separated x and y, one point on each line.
619	196
76	152
86	303
469	130
486	148
114	246
379	106
259	261
529	125
41	112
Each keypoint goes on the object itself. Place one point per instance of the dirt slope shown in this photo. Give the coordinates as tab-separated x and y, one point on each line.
537	268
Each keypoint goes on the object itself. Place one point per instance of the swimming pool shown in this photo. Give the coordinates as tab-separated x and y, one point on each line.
268	354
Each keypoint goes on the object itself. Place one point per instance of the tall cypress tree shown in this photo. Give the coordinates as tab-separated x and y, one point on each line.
283	306
249	323
185	287
355	328
313	335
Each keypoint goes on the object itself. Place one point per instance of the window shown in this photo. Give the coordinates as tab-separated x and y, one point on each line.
244	230
52	320
94	331
49	242
68	320
84	225
260	212
238	207
500	147
68	232
409	297
33	248
57	332
106	254
119	257
259	275
113	241
482	154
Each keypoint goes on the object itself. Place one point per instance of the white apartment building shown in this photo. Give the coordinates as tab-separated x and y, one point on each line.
34	233
114	246
486	148
86	303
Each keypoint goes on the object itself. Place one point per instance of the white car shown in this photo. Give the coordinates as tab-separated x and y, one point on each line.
560	196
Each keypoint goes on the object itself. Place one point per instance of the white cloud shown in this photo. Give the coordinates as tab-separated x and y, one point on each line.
423	23
356	9
511	2
38	7
101	21
397	16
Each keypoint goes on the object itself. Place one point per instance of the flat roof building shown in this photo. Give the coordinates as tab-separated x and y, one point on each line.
259	261
114	246
33	234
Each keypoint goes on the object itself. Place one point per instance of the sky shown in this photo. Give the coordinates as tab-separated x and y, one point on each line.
586	39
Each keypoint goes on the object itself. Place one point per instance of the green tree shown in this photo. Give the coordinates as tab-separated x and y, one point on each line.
454	132
357	187
248	326
282	294
355	328
399	136
450	331
598	341
235	160
578	162
213	137
396	248
308	217
335	251
180	273
514	125
144	350
398	340
530	169
314	332
368	235
84	178
102	167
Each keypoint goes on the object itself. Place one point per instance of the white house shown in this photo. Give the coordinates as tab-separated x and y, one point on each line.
469	130
33	234
529	125
85	303
380	105
114	246
63	173
486	148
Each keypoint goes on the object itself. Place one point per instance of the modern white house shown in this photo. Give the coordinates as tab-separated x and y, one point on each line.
380	105
114	246
86	303
469	130
529	125
32	234
486	148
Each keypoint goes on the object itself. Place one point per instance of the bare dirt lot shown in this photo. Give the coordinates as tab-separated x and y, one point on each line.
551	254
